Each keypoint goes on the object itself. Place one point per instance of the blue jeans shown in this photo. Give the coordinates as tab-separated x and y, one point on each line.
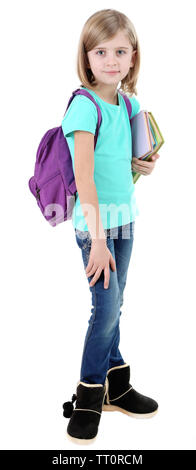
101	345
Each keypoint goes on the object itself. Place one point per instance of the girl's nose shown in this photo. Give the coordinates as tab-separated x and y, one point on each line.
111	58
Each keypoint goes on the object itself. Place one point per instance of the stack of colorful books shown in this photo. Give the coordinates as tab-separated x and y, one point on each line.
146	137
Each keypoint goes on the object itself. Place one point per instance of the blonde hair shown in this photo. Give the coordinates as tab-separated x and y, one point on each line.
102	26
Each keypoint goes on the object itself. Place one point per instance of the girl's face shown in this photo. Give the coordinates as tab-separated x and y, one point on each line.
115	55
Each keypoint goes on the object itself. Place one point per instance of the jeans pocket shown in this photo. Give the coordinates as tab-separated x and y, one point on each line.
83	239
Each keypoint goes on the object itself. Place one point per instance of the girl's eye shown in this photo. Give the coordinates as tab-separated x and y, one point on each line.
120	50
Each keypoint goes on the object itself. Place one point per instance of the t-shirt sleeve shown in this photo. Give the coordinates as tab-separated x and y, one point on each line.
135	106
81	115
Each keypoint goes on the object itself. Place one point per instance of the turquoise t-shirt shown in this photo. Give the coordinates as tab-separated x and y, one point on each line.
112	157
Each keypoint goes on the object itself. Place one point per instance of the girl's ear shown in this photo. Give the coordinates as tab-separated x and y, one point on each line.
133	59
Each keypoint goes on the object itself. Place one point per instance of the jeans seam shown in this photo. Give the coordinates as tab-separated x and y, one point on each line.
90	331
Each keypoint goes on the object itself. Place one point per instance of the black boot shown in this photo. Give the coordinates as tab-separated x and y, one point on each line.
85	417
121	396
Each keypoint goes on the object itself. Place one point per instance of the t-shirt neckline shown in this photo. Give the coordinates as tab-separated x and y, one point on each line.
109	104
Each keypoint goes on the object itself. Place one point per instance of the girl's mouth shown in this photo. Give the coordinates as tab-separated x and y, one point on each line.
113	72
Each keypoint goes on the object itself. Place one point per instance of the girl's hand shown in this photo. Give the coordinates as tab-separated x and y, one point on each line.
144	167
100	259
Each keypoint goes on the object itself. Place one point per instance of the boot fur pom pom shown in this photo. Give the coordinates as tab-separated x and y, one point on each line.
68	407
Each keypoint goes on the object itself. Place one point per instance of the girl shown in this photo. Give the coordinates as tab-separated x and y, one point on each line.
104	215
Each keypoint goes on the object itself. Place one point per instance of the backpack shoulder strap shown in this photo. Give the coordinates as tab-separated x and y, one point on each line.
80	91
128	103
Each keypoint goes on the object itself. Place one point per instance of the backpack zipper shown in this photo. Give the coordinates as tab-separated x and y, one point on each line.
38	189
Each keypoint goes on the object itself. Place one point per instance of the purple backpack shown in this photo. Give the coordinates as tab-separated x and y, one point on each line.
53	183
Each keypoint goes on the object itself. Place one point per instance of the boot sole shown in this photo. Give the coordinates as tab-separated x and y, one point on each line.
76	440
129	413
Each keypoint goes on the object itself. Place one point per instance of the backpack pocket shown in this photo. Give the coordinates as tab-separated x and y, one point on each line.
51	198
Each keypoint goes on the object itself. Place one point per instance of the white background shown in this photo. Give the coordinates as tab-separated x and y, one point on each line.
45	298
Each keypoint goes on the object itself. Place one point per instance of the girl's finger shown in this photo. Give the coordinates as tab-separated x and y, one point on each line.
154	157
106	277
92	270
137	169
145	164
150	166
89	266
96	276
